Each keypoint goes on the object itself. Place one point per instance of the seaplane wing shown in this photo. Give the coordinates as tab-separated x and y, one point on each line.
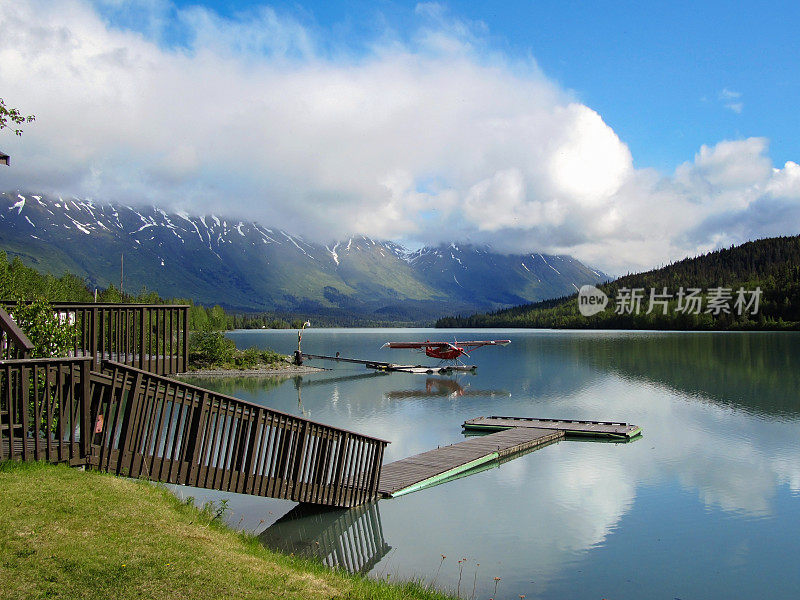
429	344
417	345
446	350
484	343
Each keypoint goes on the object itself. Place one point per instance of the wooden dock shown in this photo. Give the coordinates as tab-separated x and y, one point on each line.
606	429
389	367
432	467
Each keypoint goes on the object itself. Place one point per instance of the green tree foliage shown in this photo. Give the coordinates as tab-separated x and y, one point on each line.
771	264
12	118
51	334
210	348
19	281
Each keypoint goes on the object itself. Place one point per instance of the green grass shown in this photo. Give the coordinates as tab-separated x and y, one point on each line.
65	533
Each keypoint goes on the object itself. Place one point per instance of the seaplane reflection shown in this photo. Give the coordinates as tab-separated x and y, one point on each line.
446	388
351	539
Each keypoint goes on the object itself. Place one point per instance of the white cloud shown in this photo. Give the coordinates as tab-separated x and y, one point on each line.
431	138
731	100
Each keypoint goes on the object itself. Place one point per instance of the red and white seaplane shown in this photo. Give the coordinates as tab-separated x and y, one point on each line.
446	350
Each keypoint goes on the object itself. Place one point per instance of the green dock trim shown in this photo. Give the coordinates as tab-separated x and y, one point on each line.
431	481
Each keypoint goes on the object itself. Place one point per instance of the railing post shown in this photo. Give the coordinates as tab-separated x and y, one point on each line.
253	445
141	338
300	454
15	337
87	428
338	479
131	409
185	339
23	400
195	436
93	345
377	464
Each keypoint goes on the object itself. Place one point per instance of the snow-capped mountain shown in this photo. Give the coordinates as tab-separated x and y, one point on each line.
242	264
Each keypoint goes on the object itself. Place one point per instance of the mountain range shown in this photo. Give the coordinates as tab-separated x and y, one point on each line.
243	265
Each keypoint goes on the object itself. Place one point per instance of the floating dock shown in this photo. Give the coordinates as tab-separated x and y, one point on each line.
511	435
606	429
432	467
389	367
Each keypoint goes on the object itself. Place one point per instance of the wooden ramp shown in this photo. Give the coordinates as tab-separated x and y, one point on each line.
568	426
429	468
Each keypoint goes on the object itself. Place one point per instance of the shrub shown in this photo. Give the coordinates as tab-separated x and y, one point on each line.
209	348
51	334
213	349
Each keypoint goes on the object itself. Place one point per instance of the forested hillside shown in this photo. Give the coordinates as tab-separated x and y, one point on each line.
19	282
771	265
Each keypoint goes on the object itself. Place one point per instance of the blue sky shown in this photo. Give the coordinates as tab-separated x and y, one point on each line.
625	134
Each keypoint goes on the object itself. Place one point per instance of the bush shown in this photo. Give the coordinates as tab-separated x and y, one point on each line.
213	349
210	348
51	334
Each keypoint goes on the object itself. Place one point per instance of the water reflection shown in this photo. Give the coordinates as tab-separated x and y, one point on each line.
718	467
443	387
351	538
755	372
300	381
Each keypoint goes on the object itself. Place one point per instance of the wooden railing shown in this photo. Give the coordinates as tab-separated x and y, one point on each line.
96	409
44	409
131	422
13	341
153	337
162	429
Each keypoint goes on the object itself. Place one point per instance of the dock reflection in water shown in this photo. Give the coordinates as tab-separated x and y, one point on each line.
351	539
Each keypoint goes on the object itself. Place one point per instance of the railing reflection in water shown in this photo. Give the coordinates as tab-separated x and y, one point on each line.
350	539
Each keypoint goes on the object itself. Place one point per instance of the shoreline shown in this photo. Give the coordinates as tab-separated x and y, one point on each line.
265	371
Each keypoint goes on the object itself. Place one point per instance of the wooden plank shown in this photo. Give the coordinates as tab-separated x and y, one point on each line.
569	426
428	467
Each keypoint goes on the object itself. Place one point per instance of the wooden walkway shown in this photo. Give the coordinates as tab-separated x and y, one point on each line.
389	367
568	426
429	468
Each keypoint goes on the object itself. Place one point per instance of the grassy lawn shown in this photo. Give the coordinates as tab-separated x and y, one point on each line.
65	533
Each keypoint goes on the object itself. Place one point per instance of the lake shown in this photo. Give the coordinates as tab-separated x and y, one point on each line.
706	504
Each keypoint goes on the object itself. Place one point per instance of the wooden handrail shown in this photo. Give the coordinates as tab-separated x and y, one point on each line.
100	304
154	337
245	403
14	333
166	430
136	423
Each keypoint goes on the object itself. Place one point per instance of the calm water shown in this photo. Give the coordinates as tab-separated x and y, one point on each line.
705	505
